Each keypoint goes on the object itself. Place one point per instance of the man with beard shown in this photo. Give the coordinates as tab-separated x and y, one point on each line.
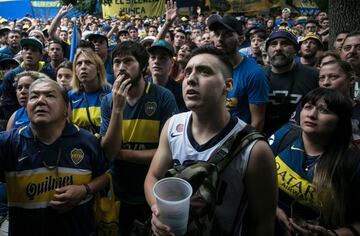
289	81
132	118
31	53
350	52
249	97
13	42
310	45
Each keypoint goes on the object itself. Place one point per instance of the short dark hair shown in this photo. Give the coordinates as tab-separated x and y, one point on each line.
352	34
62	44
312	21
345	67
209	49
134	49
65	64
15	32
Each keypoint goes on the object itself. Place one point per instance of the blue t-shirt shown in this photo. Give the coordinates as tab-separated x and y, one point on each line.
34	170
21	119
141	128
250	87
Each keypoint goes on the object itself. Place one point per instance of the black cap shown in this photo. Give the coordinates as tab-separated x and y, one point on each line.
92	36
6	61
4	29
215	21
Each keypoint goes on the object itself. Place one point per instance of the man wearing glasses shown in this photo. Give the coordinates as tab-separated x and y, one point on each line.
51	168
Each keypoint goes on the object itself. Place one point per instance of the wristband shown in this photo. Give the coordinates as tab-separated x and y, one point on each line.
88	190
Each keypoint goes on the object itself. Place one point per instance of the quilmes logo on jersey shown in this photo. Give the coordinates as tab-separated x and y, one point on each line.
150	108
77	155
50	183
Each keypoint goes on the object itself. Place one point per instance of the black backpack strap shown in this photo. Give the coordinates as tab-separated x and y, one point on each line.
222	156
288	138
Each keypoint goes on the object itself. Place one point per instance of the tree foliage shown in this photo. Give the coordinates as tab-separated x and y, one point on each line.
87	6
343	16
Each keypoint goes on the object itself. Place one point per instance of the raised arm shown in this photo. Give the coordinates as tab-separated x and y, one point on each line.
111	142
171	14
56	21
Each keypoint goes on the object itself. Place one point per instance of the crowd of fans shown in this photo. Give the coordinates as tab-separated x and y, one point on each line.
130	74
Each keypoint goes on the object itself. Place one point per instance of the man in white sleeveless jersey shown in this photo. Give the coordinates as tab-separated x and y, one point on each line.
249	179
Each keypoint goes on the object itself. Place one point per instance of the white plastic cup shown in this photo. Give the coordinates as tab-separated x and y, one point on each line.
173	201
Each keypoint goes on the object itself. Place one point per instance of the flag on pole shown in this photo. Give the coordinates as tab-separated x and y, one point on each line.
74	42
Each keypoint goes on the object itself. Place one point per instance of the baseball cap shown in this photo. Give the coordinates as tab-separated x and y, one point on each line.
229	22
282	32
5	61
148	39
32	41
162	44
286	10
92	36
312	35
123	31
4	30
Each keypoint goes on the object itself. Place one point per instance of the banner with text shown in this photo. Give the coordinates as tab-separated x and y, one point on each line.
134	7
238	6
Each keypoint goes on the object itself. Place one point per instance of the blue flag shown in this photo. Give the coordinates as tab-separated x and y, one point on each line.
74	42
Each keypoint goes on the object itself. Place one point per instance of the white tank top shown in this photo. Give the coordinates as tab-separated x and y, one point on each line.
232	186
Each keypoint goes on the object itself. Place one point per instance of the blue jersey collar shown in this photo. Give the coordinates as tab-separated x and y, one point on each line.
70	129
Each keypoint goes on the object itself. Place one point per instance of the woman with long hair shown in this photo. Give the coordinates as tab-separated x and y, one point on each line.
22	84
89	86
313	172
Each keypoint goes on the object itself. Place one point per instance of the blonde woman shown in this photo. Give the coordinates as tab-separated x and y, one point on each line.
89	86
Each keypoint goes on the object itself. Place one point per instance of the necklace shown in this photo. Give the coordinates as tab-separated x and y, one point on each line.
309	162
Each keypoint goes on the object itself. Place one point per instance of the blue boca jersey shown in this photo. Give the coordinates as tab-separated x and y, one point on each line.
34	170
250	87
141	127
78	107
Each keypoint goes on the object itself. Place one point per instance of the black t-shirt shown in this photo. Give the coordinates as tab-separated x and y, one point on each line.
286	91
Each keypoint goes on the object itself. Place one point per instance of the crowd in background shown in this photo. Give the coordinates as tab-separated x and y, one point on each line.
278	61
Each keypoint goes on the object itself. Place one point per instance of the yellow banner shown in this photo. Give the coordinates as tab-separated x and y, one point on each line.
134	7
237	6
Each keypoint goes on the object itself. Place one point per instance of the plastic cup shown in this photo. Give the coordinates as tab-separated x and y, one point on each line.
173	201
